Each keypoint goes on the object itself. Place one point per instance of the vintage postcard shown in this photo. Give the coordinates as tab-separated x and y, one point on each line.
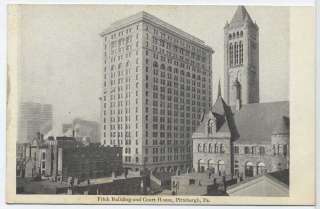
170	104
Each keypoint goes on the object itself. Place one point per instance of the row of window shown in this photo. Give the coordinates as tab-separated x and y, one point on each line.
164	35
181	61
278	149
179	50
250	150
211	148
170	149
169	158
234	35
175	70
123	32
236	53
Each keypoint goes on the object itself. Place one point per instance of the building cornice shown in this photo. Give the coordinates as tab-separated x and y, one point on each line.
148	18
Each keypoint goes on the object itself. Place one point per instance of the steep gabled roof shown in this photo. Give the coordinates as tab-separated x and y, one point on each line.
221	112
256	122
240	16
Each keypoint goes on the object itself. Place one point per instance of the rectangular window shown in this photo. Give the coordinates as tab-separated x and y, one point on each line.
236	150
246	150
192	181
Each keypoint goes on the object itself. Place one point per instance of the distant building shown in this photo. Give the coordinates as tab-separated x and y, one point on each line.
33	118
85	129
157	82
63	158
22	152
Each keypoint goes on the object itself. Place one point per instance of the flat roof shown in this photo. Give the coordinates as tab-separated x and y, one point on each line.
146	17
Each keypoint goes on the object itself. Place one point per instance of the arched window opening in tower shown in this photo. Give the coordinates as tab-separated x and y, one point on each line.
241	53
231	54
236	57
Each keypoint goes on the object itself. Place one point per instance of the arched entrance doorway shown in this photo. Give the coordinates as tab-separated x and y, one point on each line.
211	166
260	168
249	169
221	167
201	166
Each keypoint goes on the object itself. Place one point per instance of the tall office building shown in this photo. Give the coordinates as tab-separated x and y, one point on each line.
33	118
157	83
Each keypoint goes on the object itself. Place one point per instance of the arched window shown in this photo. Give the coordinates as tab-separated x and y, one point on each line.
233	35
210	147
162	66
231	54
221	148
221	167
240	53
260	168
211	126
127	64
241	33
204	148
238	34
236	53
216	149
155	64
199	147
230	36
249	169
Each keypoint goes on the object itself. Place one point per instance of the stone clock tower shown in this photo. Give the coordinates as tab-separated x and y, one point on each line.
241	59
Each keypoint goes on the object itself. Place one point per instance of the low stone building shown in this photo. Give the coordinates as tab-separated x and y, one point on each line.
243	143
62	158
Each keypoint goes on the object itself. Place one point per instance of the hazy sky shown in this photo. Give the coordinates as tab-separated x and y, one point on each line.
61	62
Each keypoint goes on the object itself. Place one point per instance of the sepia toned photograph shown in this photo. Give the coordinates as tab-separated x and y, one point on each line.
142	104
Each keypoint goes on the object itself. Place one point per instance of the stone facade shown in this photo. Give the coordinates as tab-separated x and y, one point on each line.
241	58
241	137
244	145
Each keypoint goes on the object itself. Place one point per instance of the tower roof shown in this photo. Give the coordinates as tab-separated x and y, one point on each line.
240	16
